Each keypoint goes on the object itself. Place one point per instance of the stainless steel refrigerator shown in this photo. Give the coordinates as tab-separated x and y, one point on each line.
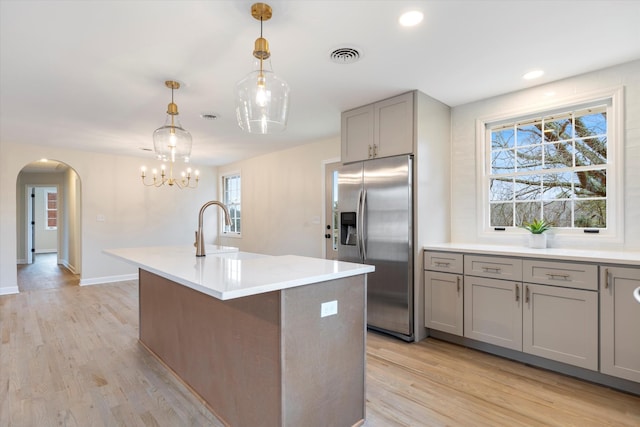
375	208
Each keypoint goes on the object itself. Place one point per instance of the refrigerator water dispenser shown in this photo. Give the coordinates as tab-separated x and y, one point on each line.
348	231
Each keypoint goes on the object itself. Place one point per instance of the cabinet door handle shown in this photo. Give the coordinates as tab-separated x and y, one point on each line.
526	294
606	278
458	283
554	276
492	269
517	292
442	264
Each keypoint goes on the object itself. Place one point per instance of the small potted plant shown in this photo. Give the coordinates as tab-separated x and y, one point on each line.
537	238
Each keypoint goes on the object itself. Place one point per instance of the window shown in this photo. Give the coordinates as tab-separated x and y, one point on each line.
51	209
231	196
558	165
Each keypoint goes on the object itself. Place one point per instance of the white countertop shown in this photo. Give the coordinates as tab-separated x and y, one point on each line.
226	273
560	254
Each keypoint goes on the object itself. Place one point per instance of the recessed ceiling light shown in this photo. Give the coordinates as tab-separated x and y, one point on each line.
409	19
533	74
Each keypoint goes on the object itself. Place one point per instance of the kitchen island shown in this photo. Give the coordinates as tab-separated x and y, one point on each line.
263	340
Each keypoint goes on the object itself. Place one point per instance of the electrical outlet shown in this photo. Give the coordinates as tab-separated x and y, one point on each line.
329	308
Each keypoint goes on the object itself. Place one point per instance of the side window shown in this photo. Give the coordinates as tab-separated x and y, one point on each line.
231	197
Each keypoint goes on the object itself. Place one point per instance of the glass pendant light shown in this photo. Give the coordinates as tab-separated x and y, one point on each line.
262	98
171	141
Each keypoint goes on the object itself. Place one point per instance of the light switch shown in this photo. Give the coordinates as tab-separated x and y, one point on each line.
329	308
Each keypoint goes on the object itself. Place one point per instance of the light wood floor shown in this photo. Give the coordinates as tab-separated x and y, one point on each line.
70	357
45	273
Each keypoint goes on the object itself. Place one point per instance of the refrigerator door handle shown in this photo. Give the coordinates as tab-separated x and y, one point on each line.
361	233
358	230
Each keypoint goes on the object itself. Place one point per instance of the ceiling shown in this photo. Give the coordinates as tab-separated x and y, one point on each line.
89	75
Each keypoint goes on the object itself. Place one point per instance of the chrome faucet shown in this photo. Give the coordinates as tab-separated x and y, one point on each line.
199	239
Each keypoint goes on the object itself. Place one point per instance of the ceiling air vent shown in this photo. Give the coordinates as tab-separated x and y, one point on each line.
209	116
345	55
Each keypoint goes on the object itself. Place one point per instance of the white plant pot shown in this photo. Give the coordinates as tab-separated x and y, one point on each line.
537	241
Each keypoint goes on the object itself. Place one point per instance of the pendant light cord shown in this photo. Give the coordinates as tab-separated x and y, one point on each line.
173	128
261	55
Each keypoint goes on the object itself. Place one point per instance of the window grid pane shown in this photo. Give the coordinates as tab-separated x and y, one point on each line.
552	167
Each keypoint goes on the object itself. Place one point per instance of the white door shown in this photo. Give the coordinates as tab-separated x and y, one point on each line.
30	243
331	213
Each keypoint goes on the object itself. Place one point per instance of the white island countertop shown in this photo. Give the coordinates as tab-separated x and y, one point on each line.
225	273
559	254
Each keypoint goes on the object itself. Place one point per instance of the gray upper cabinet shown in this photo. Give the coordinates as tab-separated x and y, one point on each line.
382	129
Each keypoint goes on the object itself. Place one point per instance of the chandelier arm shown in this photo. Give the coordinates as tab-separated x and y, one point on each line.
164	179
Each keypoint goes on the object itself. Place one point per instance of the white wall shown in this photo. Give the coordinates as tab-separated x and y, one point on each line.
282	197
70	254
134	215
464	162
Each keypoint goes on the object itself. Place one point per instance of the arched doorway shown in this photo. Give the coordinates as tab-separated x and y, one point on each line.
48	225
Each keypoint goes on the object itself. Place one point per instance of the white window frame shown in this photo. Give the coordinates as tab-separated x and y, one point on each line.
614	233
46	210
223	226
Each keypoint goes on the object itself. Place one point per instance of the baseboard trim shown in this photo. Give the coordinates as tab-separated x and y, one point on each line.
9	290
108	279
65	264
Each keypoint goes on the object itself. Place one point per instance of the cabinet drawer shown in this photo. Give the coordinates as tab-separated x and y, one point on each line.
447	262
565	274
493	267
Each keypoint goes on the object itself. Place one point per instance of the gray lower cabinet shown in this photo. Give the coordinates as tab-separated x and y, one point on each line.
493	311
619	322
443	292
578	313
443	302
561	324
552	321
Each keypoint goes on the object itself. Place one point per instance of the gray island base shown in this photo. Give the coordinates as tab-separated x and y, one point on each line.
268	359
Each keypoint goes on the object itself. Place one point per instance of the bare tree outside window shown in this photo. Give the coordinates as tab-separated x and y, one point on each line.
552	168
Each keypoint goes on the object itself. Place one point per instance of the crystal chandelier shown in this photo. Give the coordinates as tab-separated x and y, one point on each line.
262	98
